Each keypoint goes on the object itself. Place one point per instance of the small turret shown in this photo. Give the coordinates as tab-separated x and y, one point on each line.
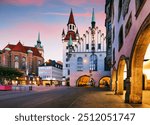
77	34
63	34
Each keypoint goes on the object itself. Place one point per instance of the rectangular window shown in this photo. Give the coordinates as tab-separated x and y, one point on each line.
66	54
128	25
87	46
120	38
67	59
68	72
67	65
139	6
113	33
113	55
119	9
99	46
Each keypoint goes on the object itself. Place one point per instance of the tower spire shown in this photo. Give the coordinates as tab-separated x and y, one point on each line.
39	36
93	19
71	18
93	16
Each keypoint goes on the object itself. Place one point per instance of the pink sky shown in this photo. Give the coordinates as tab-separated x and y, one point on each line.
50	22
23	2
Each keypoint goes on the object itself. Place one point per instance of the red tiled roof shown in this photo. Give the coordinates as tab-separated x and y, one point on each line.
71	18
73	35
10	46
34	50
20	48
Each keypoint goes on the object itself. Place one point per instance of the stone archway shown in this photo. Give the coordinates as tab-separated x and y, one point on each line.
136	64
104	82
113	80
121	76
84	81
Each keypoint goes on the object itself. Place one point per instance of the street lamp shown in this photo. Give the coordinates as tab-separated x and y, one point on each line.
90	79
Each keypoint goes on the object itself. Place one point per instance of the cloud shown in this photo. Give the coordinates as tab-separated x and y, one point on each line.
87	14
55	13
75	2
67	14
23	2
27	33
82	2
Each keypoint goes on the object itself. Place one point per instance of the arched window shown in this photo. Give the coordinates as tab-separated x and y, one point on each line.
16	65
23	67
39	62
79	64
70	27
120	37
93	62
73	27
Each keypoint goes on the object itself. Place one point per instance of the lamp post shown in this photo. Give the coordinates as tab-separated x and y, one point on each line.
90	79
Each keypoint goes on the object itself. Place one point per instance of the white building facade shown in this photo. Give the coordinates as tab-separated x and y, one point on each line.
83	56
51	72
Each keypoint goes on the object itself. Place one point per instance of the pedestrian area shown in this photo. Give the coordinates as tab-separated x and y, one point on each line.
68	97
145	100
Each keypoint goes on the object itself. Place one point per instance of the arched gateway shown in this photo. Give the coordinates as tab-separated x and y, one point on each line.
84	81
104	82
137	60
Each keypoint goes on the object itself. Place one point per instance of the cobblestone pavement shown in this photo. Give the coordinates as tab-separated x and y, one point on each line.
64	97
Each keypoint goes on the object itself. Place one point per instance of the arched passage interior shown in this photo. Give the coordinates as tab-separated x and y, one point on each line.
121	76
84	81
113	80
104	82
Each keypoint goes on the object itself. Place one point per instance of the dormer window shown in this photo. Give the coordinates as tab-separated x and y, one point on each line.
23	59
39	62
16	58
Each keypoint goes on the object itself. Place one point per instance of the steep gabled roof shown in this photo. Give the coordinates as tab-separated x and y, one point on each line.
71	19
21	48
